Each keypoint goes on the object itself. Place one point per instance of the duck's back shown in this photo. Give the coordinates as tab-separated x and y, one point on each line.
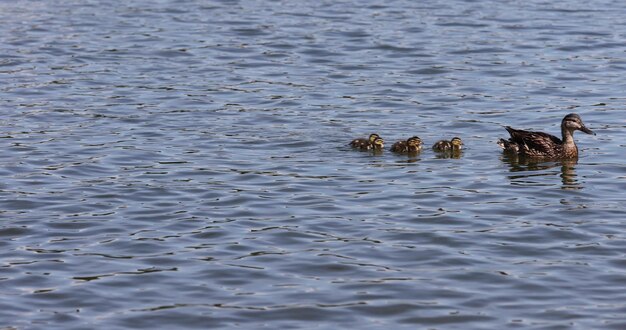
535	144
400	146
442	145
360	143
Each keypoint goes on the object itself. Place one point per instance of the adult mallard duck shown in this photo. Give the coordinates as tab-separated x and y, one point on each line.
543	145
411	145
454	145
363	143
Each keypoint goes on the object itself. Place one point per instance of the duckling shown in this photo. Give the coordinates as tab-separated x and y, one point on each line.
454	145
543	145
411	145
377	145
363	143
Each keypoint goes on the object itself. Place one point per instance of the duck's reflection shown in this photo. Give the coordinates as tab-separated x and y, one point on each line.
454	154
526	169
568	174
412	157
376	152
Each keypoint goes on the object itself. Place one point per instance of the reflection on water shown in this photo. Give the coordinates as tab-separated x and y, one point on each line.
568	174
525	169
376	152
409	157
454	154
183	165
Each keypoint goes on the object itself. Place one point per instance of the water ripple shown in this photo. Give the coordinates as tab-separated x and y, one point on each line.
186	165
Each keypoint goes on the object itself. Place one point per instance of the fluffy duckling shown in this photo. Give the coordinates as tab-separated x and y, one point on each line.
377	145
543	145
411	145
363	143
454	145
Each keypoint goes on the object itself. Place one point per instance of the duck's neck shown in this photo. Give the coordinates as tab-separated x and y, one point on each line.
569	147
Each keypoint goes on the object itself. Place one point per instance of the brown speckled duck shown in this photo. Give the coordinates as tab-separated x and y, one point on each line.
377	145
543	145
363	143
454	145
411	145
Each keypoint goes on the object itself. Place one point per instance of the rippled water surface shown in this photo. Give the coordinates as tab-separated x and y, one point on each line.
184	164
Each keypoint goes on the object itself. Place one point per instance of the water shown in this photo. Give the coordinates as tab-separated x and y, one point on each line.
183	164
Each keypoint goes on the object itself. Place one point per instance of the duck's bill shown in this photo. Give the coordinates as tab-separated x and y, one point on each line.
588	131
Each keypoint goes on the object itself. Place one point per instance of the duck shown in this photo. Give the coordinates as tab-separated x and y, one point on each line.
363	143
454	145
543	145
377	145
411	145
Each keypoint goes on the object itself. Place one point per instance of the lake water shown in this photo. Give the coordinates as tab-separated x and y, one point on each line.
184	164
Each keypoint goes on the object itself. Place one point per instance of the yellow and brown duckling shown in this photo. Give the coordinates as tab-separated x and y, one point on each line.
374	142
454	145
411	145
363	143
378	144
543	145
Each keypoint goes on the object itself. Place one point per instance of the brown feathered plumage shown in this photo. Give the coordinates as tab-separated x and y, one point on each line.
363	143
411	145
543	145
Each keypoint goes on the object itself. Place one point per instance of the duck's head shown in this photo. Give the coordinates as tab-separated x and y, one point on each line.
456	142
414	142
373	137
573	122
378	143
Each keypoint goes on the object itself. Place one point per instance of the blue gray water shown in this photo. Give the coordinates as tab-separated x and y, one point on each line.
183	164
